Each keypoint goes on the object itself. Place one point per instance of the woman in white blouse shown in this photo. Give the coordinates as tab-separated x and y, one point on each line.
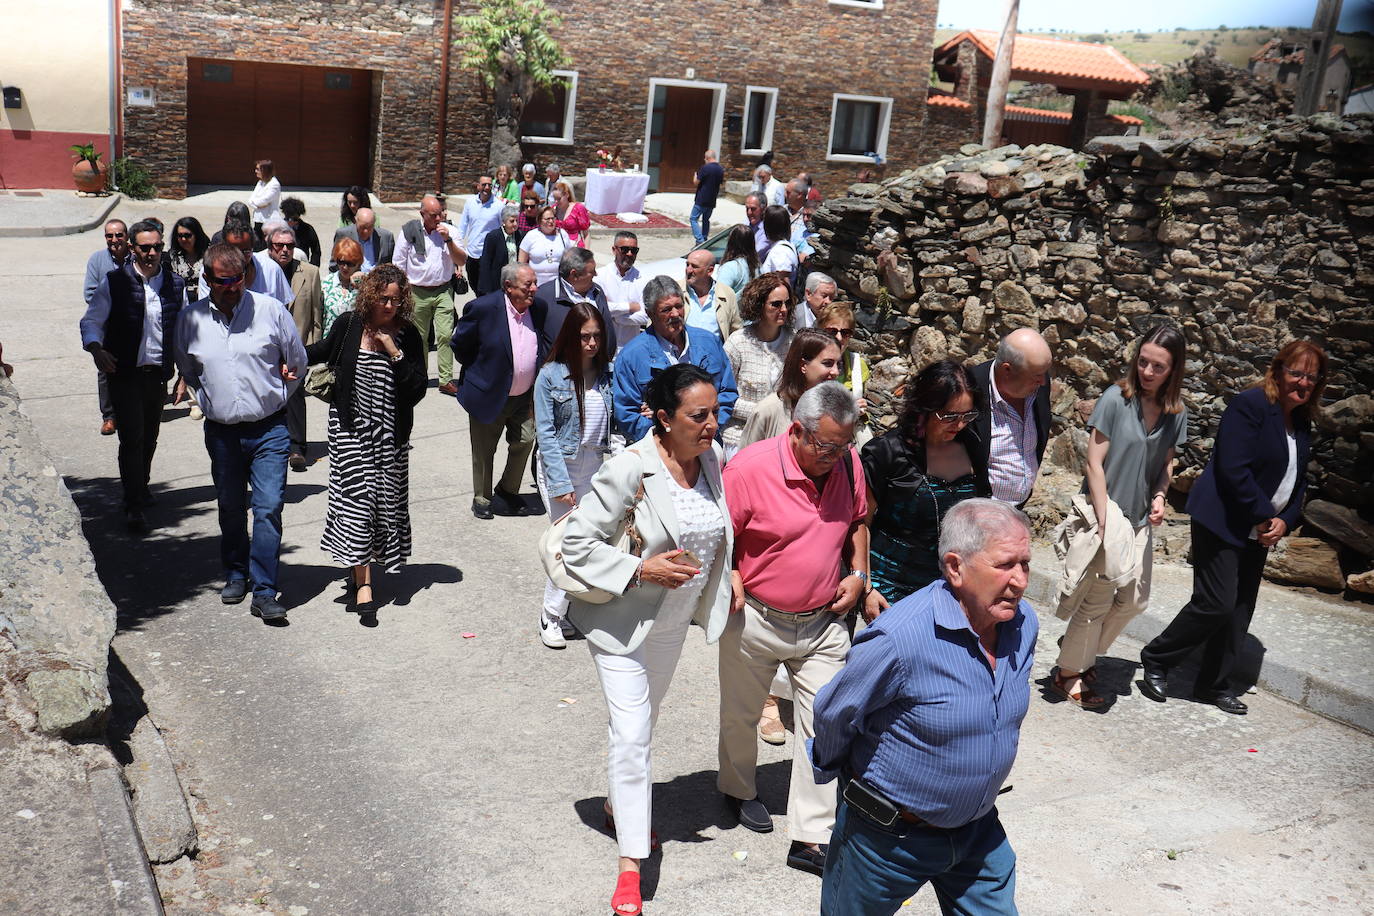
782	255
266	197
756	351
542	248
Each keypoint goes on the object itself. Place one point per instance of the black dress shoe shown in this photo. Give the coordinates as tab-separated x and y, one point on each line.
1225	702
268	608
801	856
1154	683
297	462
135	522
234	591
482	510
509	504
751	813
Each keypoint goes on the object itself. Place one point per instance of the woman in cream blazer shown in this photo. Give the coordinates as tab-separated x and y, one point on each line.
681	575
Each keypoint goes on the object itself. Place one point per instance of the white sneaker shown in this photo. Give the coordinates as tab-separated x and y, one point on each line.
551	633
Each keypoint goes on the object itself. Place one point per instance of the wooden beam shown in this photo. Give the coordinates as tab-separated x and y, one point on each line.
1315	57
1001	74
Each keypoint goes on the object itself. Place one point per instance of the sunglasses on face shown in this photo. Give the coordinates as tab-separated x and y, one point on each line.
484	187
967	416
227	281
281	246
391	300
150	247
628	249
184	236
839	333
114	235
348	264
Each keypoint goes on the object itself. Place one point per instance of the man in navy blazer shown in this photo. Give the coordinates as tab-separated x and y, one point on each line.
496	251
500	347
1014	390
576	281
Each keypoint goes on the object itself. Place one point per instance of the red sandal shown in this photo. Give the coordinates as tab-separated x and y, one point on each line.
1085	697
626	901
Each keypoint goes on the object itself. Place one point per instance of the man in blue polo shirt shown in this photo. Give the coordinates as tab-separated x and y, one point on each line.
922	724
708	180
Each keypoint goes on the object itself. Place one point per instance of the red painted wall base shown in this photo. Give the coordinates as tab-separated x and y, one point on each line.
42	158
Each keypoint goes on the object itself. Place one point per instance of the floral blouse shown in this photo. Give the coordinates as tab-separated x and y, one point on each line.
337	300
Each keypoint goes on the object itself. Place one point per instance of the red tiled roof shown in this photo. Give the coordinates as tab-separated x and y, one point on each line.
1271	51
1044	59
1043	114
946	101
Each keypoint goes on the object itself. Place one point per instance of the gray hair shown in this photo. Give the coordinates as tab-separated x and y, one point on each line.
828	399
275	227
658	289
966	529
573	260
1007	353
509	211
624	234
816	280
766	170
759	196
553	167
527	169
510	274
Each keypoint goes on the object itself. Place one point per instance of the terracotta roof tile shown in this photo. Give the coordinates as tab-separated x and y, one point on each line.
946	101
1043	59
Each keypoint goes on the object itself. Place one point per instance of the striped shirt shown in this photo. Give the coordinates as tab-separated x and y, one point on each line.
1012	463
919	713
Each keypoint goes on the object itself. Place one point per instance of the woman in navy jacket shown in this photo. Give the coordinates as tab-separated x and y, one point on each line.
1249	496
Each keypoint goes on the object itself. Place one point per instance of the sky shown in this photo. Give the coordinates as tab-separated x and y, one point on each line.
1119	16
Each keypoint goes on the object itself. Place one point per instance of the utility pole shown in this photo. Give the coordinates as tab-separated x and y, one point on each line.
1001	75
1318	51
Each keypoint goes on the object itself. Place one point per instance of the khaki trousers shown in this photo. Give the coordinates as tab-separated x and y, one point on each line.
434	306
517	422
812	650
1105	610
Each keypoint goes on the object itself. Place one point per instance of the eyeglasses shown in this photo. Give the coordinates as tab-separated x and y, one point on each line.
484	187
967	416
282	246
391	300
349	264
114	235
776	303
184	236
627	249
825	449
149	248
839	333
1299	376
226	281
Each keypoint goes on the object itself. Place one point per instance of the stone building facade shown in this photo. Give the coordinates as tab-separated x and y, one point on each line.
660	82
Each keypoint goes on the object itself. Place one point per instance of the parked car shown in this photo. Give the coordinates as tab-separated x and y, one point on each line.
677	267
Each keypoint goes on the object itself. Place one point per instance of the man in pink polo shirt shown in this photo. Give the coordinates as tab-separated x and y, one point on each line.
801	564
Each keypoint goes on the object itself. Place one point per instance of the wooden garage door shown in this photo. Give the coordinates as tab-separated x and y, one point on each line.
314	123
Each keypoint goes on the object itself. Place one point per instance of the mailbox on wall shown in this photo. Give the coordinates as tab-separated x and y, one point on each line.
14	97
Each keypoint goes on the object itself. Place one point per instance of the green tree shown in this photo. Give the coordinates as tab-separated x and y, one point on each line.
509	43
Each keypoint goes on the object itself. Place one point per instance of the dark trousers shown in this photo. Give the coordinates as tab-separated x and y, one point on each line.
516	421
295	420
102	390
474	266
137	396
244	455
1226	581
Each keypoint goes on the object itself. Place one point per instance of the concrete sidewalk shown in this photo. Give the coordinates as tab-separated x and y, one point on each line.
47	212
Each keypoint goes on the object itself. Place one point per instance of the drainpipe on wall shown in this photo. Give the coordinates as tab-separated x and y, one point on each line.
114	75
443	98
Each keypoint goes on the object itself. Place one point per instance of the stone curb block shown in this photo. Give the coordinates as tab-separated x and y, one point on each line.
15	232
1317	694
132	886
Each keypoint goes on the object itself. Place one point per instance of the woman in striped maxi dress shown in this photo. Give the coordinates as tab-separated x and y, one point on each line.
380	376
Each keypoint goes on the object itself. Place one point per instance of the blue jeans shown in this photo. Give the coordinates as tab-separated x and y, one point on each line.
870	871
703	216
244	454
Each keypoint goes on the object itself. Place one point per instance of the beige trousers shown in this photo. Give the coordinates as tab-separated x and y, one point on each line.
1105	611
812	650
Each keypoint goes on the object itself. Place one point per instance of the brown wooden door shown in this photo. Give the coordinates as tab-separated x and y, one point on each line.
686	135
314	123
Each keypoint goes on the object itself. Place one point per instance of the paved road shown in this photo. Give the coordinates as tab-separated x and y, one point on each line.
411	769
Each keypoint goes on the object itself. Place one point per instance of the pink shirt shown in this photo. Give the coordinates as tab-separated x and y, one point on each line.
524	349
789	538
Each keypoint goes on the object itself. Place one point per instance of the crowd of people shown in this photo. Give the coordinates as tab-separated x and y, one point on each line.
706	448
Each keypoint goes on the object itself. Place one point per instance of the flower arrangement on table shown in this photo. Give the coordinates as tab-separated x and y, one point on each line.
604	159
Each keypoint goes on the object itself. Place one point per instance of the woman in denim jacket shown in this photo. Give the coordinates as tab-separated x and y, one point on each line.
572	421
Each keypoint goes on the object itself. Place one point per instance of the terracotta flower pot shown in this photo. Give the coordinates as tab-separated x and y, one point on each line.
88	178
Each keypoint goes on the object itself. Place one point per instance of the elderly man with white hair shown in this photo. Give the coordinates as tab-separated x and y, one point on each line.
797	504
773	190
922	725
820	292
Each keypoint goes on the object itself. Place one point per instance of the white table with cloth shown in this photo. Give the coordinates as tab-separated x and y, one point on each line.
615	192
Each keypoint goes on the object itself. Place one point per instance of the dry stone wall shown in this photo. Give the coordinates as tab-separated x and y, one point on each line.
1244	238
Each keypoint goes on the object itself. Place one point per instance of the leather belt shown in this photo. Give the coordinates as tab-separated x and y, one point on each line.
768	610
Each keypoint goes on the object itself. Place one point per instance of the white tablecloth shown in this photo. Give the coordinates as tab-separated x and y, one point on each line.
616	192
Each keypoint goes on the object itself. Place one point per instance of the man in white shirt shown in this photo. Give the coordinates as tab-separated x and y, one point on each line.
128	329
481	214
624	288
820	292
553	174
429	255
773	190
1012	433
264	274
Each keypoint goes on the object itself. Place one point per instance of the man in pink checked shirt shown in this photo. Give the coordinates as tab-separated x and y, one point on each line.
499	346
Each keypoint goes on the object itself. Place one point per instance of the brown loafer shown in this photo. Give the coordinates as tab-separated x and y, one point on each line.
107	428
449	389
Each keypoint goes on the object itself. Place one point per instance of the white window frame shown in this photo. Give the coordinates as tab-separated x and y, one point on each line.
861	4
717	113
884	122
769	121
569	117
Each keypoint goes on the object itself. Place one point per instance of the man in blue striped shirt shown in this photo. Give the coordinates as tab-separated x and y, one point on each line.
922	725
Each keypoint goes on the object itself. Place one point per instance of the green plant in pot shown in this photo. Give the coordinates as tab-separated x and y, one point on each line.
89	172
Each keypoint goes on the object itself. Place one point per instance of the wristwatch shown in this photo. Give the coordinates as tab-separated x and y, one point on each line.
400	355
863	577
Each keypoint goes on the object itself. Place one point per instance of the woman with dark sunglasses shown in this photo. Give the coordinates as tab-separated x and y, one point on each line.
189	243
917	472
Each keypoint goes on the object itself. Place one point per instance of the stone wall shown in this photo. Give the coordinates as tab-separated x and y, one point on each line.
1245	239
56	621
